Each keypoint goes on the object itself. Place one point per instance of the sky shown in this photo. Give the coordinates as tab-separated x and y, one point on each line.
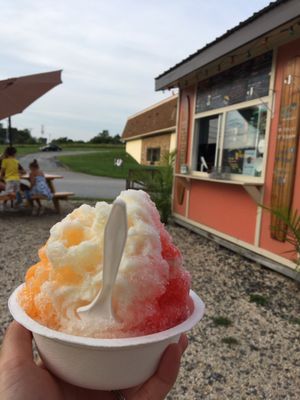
109	51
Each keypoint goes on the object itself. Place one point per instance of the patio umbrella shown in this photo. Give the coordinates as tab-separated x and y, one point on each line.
16	94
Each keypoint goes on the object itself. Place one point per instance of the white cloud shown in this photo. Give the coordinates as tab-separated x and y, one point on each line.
110	53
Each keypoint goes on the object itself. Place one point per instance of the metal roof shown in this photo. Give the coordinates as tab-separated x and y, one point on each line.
270	17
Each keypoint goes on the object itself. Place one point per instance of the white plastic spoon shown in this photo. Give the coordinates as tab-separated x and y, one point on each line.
115	236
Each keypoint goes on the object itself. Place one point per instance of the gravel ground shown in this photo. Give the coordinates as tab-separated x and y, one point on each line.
246	347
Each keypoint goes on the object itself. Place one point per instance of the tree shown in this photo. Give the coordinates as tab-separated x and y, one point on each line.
18	136
41	140
63	140
117	139
3	134
102	137
105	138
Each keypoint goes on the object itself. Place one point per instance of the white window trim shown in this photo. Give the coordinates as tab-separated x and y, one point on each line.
266	100
232	107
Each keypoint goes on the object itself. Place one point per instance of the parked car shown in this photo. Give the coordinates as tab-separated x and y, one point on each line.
51	147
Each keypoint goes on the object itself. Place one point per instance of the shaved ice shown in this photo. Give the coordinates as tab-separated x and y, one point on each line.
151	293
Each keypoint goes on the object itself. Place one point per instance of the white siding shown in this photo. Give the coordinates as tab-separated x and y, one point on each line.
173	142
134	148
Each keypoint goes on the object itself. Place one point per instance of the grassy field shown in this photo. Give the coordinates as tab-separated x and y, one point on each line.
90	146
99	163
102	163
23	149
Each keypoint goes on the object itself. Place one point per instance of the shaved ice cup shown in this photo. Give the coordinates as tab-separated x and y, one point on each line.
103	364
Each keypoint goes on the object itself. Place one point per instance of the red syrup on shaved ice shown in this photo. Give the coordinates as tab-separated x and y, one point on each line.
151	293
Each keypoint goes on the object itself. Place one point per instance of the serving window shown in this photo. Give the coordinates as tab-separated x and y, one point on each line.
229	136
232	141
244	138
207	133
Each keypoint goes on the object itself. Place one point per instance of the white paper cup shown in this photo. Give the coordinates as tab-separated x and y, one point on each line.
102	364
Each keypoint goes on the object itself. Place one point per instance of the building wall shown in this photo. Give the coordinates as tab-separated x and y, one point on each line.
234	215
224	208
181	191
173	142
180	197
285	53
134	148
185	125
227	210
161	141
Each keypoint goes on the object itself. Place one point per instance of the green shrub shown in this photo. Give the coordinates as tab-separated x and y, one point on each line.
258	299
222	321
290	227
160	186
230	340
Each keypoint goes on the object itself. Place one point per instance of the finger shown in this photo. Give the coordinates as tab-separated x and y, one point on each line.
17	343
157	387
71	392
183	343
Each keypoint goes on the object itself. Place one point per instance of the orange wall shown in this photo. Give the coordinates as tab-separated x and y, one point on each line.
224	207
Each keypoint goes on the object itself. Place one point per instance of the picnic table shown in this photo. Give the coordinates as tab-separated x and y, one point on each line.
57	196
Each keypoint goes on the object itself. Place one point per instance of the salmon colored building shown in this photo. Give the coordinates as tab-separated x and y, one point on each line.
238	135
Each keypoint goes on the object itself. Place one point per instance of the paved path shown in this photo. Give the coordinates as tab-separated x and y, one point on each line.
82	185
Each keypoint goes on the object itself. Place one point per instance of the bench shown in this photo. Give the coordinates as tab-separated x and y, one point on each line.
6	197
57	196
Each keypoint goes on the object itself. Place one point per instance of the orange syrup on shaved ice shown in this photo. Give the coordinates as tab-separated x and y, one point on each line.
151	293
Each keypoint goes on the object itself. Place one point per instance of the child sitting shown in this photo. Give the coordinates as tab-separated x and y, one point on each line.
39	186
10	173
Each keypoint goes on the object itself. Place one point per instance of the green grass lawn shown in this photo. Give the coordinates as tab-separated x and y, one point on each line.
90	146
23	149
102	163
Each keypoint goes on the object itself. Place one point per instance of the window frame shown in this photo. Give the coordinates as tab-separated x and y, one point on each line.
152	149
222	112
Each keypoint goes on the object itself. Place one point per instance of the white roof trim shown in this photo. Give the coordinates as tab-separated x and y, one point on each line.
161	131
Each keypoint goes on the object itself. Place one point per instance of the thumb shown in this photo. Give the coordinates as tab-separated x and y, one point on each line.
17	343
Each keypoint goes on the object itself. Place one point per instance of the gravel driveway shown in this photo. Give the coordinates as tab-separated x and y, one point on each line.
242	350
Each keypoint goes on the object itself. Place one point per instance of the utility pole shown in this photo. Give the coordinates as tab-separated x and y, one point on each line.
9	132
